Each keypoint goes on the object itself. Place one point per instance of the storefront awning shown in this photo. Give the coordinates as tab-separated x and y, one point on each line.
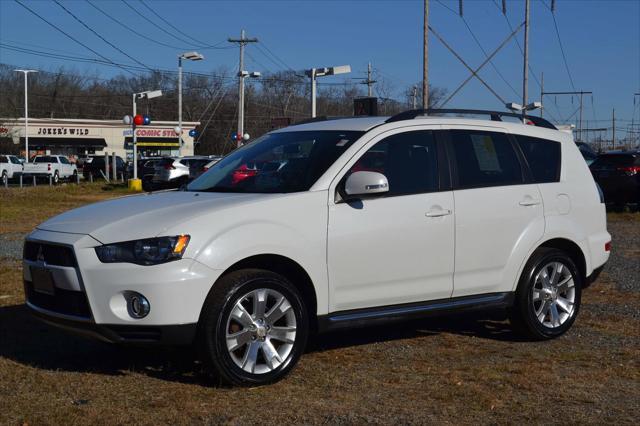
37	142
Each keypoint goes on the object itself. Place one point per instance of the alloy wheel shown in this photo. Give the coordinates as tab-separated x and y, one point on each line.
261	331
554	295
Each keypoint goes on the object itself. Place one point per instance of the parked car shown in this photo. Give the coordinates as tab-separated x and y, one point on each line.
94	166
618	174
146	170
55	166
173	172
587	152
196	168
10	167
453	214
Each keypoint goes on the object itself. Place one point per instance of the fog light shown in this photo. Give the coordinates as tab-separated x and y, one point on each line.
138	305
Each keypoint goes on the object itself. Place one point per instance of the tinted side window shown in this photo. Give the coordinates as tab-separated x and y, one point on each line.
3	159
64	160
408	160
543	157
14	160
485	159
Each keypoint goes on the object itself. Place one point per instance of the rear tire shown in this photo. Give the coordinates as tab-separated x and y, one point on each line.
253	328
548	296
56	178
5	178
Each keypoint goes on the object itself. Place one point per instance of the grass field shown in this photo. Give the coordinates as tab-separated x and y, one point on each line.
469	369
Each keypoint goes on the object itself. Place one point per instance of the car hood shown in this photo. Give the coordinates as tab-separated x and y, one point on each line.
142	216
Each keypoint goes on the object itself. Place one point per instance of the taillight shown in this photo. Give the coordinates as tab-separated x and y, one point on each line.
49	167
607	246
169	166
630	171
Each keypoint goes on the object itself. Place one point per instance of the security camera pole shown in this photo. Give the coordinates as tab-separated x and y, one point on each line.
313	73
26	114
191	56
242	41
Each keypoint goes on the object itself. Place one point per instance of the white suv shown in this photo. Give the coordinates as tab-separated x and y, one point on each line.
328	225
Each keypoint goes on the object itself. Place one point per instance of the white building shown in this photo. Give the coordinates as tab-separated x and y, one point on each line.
78	137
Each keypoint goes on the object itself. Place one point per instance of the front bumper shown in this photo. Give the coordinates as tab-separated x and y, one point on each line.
90	297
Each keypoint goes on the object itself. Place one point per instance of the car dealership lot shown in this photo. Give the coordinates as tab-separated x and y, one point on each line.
469	369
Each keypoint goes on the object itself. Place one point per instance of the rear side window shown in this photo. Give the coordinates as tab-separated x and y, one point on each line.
543	157
485	159
45	159
409	161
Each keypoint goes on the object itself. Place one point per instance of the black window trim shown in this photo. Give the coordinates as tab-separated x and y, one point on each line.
523	159
442	162
455	182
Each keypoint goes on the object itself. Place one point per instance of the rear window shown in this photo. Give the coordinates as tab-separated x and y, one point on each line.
45	159
485	159
616	160
543	157
165	162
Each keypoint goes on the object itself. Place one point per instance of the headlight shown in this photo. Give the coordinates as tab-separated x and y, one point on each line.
151	251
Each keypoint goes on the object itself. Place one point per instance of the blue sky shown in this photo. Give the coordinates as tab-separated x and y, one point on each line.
601	40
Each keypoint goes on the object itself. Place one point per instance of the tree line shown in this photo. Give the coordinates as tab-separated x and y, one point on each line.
209	98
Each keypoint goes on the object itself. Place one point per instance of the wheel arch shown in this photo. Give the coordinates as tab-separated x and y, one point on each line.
288	268
573	250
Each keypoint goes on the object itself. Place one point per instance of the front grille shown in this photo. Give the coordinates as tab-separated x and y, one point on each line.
65	302
49	253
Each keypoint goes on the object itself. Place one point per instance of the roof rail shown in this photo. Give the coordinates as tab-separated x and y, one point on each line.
320	118
495	115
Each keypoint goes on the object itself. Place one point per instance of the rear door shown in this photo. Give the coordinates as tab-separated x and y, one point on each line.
499	212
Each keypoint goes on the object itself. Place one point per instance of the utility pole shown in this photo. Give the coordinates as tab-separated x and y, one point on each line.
242	42
369	81
425	57
415	97
26	114
581	93
580	133
613	129
525	74
541	92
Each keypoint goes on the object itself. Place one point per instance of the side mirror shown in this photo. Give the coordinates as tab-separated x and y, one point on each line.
366	183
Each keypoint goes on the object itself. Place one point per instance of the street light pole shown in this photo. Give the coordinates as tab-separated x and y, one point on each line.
192	56
135	141
314	73
180	105
26	114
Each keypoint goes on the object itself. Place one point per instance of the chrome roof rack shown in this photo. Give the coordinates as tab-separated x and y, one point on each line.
495	115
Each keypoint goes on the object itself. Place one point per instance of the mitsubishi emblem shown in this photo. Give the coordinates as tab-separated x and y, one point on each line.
40	256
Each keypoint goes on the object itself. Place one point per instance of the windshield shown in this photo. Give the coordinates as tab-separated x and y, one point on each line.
278	162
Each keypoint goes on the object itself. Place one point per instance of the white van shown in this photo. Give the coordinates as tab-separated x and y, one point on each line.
328	225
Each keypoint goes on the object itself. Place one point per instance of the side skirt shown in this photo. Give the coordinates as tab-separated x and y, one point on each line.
382	314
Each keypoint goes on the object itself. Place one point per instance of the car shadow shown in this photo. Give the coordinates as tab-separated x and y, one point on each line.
28	341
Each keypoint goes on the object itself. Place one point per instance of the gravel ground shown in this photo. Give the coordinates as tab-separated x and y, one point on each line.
624	264
11	245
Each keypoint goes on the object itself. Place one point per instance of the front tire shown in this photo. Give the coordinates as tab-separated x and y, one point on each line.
548	295
56	178
253	328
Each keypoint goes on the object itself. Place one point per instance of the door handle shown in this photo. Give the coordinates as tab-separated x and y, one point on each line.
437	213
528	201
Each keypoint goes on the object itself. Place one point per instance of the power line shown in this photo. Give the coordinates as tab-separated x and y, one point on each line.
101	38
71	37
154	24
276	56
131	29
171	25
564	57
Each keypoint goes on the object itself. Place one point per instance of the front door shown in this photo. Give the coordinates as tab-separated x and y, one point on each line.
396	248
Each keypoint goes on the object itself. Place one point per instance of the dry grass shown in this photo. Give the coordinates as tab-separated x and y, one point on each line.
464	369
22	209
